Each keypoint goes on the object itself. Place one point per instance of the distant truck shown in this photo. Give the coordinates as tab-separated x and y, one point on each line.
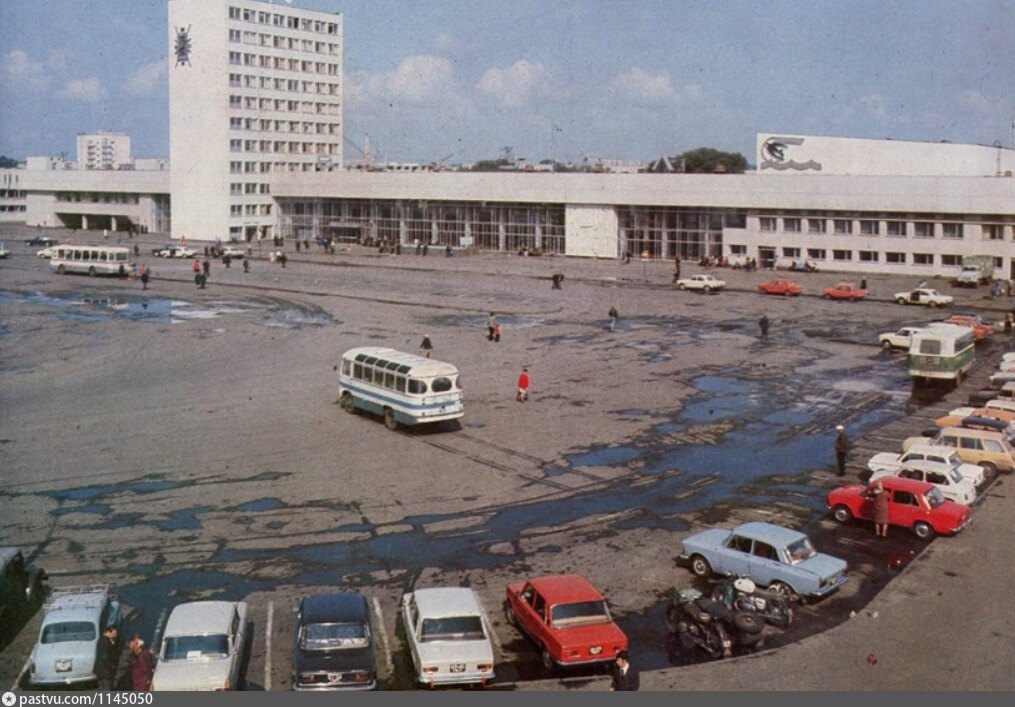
976	270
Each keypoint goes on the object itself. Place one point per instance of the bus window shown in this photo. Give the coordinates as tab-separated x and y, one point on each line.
931	347
400	384
458	382
357	371
417	387
345	367
389	380
441	385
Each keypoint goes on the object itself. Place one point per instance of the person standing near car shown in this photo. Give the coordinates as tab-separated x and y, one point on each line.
107	659
625	676
841	448
142	666
878	494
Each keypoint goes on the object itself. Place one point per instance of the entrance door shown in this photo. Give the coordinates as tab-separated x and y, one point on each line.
766	254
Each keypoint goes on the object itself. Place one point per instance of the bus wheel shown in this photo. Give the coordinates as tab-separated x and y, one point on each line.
348	403
62	270
389	419
91	271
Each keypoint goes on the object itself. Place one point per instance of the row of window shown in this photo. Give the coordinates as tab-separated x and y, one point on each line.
250	210
283	147
282	105
873	227
269	83
866	256
271	167
281	63
13	208
305	127
97	198
285	21
288	43
12	194
391	375
241	188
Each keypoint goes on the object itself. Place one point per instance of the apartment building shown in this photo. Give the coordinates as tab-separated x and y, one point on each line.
255	91
103	150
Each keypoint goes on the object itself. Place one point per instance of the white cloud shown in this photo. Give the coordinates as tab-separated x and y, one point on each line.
639	84
417	78
518	84
146	79
453	45
19	69
89	89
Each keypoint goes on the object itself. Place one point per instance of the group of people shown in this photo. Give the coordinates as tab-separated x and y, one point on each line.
140	662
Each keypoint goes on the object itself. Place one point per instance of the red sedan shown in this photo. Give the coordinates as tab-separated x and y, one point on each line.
781	286
844	290
913	504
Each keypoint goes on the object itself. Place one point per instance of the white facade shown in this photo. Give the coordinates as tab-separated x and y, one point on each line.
12	196
103	150
782	153
255	90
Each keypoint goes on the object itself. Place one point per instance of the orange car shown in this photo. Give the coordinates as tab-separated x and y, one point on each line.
781	286
952	420
981	330
844	290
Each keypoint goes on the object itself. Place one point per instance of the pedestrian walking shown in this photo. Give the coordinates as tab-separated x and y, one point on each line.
625	676
556	279
880	498
426	346
841	448
282	259
137	251
496	333
107	659
523	385
763	324
144	277
246	265
196	267
676	269
206	267
142	666
863	283
491	326
613	315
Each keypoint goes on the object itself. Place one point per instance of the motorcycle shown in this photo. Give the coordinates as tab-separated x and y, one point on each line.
742	594
708	625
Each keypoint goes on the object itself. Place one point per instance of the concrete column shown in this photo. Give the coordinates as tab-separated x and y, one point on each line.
113	219
84	222
501	231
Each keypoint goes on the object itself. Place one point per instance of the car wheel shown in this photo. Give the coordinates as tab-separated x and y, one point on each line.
785	591
886	345
348	403
547	659
700	567
826	296
681	286
989	468
923	530
935	305
842	514
389	419
901	300
510	615
706	289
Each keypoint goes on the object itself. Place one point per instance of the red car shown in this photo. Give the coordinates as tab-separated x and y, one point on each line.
567	618
844	290
781	286
911	504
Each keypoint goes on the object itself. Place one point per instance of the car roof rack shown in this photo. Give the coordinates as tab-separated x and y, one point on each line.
79	596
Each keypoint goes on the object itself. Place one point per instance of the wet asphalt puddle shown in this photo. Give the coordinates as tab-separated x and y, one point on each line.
78	307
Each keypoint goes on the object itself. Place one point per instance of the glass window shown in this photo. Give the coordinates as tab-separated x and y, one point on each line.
738	542
791	225
441	385
895	257
842	255
69	631
931	347
868	256
579	613
905	498
816	225
951	230
843	226
923	258
417	387
870	228
923	229
897	228
816	253
452	628
192	647
791	252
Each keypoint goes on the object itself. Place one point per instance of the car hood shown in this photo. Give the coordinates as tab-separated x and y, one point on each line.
823	565
884	460
82	653
337	661
972	472
189	675
479	651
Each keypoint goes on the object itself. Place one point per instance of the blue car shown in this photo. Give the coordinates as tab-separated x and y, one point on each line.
770	555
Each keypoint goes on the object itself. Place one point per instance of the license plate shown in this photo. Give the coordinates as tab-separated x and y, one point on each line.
457	667
63	666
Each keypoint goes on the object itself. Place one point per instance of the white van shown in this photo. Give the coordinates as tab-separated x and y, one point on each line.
941	352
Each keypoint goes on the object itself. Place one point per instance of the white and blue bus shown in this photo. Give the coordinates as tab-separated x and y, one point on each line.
403	388
93	260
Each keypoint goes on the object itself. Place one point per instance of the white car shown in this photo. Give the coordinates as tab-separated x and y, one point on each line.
702	283
898	339
924	296
949	480
72	625
927	452
176	252
448	636
202	647
3	250
999	378
46	252
234	251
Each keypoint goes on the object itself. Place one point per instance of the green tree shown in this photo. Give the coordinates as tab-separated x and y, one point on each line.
707	160
7	163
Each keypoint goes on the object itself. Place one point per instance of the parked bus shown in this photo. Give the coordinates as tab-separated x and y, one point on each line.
941	352
93	260
403	388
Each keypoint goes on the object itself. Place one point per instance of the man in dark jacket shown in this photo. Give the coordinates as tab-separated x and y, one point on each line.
841	448
625	675
107	659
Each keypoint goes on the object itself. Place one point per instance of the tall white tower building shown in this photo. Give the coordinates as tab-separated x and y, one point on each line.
255	89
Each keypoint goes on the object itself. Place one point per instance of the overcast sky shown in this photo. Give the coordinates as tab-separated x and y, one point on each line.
552	78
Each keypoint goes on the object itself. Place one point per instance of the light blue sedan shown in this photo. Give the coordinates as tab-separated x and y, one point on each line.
770	555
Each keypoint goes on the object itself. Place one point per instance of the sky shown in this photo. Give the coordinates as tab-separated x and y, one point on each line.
459	80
